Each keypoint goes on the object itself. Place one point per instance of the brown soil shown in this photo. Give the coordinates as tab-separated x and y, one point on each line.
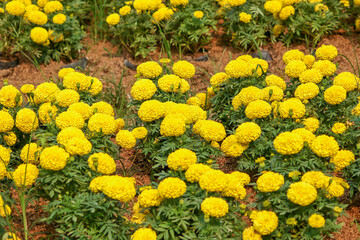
106	60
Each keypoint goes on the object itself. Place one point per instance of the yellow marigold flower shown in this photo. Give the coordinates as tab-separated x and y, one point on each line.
82	108
212	131
120	124
27	88
42	3
302	193
181	159
273	80
205	100
78	146
139	132
273	6
26	120
193	101
150	198
55	37
272	93
65	71
238	68
324	146
47	112
338	128
113	19
96	86
356	110
326	67
321	7
45	92
258	109
234	188
265	222
244	17
171	188
218	78
3	171
67	134
278	29
286	12
53	6
241	177
2	10
151	110
195	171
307	91
4	155
97	184
119	188
288	143
316	179
305	134
125	139
270	182
102	107
53	158
292	55
335	94
342	159
67	97
102	163
326	52
316	221
213	181
198	14
311	124
347	80
311	76
10	138
15	8
6	122
214	207
59	19
295	68
5	210
335	190
144	233
231	147
234	3
69	119
100	122
77	81
10	97
173	125
146	5
292	108
125	10
247	95
143	89
149	69
309	61
247	132
25	175
38	17
251	234
172	83
184	69
176	3
30	153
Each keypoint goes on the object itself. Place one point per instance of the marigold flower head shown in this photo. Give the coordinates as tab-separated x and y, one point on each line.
149	69
59	19
251	234
316	221
311	76
67	97
273	80
258	109
181	159
96	86
288	143
150	198
342	159
213	181
218	78
30	153
10	97
347	80
151	110
302	193
247	132
53	6
292	108
78	146
171	188
270	182
76	81
10	138
143	89
27	88
176	3
273	6
234	3
326	67
324	146
119	188
247	95
6	122
305	134
307	91
286	12
54	158
335	95
144	233
15	8
265	222
294	68
172	83
326	52
214	207
195	171
102	163
25	175
26	120
244	17
69	119
45	92
272	93
238	68
184	69
231	147
315	178
293	55
100	122
234	187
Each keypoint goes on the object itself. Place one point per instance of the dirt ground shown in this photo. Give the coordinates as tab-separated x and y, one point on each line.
106	60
